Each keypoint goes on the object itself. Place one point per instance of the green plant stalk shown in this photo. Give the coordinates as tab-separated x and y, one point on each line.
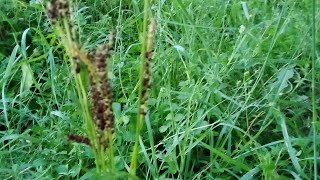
111	151
140	118
314	109
90	127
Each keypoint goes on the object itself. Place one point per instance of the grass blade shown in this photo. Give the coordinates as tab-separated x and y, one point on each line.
287	142
226	158
250	174
23	43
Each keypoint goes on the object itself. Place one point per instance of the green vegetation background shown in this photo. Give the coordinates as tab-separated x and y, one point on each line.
231	93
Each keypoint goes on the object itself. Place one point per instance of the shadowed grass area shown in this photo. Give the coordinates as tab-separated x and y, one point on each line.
233	90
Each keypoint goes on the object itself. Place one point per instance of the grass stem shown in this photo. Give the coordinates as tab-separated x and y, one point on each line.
140	117
314	106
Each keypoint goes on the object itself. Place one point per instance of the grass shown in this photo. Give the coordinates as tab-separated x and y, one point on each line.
233	90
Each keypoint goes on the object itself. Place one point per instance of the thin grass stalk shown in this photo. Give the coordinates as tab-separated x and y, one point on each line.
314	106
111	160
140	117
99	122
90	127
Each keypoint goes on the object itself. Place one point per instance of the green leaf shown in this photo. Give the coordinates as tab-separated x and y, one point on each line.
116	107
23	43
39	162
52	74
62	169
163	128
27	76
287	141
125	119
88	175
9	137
226	158
74	171
250	174
282	79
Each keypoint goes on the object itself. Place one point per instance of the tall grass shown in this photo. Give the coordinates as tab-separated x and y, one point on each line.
144	68
232	95
314	105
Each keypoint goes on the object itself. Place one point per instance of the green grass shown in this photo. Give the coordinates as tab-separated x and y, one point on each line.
223	104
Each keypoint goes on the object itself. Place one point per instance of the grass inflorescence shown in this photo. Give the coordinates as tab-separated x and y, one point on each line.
101	115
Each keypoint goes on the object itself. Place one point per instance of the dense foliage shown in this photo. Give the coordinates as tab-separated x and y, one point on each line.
231	94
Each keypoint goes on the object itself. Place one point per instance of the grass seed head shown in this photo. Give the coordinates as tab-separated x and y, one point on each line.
57	9
147	73
151	31
79	139
101	92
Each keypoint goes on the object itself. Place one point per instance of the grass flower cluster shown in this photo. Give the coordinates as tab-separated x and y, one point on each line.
100	121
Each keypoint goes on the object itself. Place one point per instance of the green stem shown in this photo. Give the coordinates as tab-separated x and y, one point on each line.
314	109
111	151
140	117
82	93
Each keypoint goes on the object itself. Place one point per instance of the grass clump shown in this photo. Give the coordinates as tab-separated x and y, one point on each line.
100	121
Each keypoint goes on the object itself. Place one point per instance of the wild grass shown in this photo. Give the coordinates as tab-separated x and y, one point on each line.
233	90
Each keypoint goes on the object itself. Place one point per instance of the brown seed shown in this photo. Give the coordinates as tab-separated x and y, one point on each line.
79	139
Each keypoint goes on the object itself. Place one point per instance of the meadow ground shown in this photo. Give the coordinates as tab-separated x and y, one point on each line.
234	92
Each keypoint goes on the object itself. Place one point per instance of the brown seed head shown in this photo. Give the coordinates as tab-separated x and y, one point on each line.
58	8
101	92
79	139
152	28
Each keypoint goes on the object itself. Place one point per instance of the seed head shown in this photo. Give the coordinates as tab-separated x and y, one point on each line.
146	76
58	8
79	139
101	93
